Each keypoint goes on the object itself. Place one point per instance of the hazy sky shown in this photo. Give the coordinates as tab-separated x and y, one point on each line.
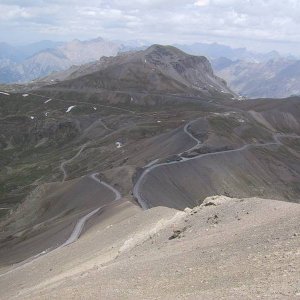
257	24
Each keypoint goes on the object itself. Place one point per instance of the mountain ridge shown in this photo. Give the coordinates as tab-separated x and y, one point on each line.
147	69
276	78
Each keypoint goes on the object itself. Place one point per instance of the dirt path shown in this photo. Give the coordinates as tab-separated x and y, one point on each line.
64	163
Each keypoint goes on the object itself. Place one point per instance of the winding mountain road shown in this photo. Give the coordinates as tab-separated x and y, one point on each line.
79	227
185	129
277	137
153	166
81	222
76	231
118	196
64	163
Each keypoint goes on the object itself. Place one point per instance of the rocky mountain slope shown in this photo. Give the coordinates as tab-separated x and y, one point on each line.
158	68
173	153
227	248
277	78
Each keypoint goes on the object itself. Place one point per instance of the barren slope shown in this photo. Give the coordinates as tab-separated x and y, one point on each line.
225	249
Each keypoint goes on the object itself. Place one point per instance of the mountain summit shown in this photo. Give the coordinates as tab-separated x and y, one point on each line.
194	71
159	69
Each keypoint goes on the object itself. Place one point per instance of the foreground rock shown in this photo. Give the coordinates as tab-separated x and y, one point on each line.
225	249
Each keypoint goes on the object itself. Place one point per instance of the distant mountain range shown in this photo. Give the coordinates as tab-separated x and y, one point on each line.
22	64
275	78
215	51
18	54
248	73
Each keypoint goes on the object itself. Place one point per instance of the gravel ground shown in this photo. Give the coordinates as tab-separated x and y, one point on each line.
225	249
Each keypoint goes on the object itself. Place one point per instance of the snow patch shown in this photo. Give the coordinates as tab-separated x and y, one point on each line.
70	108
95	108
25	95
158	121
48	101
32	117
46	113
119	144
4	93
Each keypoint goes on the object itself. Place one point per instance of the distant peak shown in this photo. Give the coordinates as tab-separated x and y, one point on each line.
98	39
75	41
163	50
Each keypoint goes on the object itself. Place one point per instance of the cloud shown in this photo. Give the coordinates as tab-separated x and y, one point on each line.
241	23
201	2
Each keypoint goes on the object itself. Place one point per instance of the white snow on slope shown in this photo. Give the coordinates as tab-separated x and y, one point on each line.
4	93
119	144
70	108
25	95
47	101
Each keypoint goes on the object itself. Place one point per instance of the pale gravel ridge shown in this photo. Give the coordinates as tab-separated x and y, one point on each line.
226	248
